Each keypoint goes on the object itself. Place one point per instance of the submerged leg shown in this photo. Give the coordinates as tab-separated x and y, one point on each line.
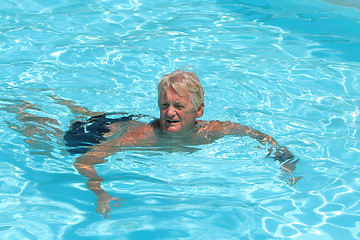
75	108
37	130
41	131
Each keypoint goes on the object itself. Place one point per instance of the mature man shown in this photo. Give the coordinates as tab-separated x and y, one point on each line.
181	103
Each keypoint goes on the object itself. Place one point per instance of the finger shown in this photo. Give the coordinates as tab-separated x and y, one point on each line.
106	215
103	211
117	205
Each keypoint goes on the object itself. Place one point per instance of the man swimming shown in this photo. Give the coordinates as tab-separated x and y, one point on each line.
181	103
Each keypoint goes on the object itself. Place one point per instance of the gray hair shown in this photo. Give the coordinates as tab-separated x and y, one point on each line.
182	81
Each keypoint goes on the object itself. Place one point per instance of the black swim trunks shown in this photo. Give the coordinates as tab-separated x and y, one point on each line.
84	134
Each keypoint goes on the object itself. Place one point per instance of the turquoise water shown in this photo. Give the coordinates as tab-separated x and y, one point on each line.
287	68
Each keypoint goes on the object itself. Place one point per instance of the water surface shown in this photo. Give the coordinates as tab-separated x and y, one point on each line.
289	69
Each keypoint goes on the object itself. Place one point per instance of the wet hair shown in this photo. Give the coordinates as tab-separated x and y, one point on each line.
183	82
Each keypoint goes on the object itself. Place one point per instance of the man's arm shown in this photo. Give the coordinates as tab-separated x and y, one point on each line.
276	152
141	134
85	165
281	154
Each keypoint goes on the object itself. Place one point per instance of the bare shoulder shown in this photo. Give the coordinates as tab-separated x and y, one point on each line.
221	126
135	134
119	128
141	130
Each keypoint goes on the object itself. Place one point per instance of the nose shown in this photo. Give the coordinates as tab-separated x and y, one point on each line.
171	112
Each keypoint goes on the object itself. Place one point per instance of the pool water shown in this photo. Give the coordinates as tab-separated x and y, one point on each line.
287	68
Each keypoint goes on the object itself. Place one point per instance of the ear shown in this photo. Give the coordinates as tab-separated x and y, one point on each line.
200	111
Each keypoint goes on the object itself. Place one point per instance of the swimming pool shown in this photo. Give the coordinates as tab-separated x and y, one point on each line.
287	68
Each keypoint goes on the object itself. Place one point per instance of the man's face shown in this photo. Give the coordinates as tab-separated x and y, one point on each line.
177	113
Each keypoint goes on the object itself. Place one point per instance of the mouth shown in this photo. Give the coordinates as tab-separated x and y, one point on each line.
172	121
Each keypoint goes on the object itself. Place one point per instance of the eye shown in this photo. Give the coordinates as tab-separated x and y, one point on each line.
179	106
164	105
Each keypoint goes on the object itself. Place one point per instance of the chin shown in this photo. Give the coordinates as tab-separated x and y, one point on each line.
174	130
171	128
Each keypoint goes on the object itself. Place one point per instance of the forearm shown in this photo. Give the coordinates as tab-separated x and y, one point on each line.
85	165
86	170
94	186
277	152
261	137
96	155
242	130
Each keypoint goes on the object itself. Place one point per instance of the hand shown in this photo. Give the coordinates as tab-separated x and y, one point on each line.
289	166
282	154
103	204
293	180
